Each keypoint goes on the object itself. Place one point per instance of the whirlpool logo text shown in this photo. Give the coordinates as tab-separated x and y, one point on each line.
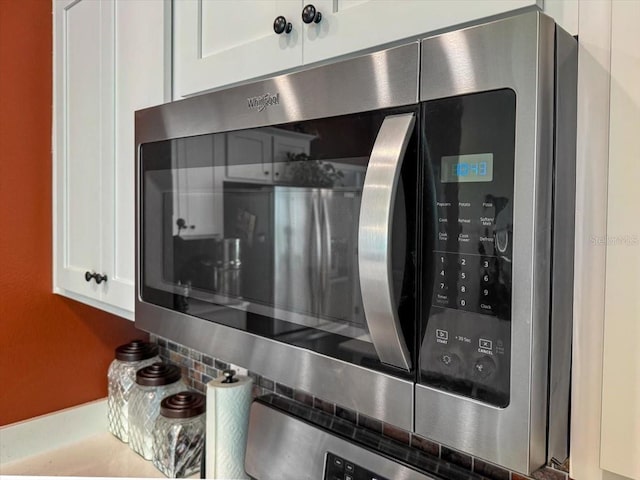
263	101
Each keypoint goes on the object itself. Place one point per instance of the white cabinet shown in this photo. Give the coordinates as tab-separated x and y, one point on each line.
620	437
109	60
85	61
219	42
222	42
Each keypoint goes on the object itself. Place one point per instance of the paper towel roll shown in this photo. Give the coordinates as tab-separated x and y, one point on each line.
227	423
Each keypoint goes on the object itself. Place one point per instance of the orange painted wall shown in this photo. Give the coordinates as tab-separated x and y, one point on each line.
54	352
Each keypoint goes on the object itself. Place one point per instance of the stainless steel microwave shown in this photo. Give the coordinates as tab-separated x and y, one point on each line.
392	233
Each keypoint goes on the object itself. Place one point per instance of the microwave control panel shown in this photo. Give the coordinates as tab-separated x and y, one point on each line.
467	249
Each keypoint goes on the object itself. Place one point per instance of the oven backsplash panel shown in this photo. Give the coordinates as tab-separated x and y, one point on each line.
198	369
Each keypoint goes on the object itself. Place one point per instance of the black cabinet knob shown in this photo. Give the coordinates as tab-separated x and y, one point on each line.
280	25
96	276
311	15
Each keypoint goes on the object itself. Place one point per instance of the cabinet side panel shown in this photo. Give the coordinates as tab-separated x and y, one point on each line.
592	151
620	443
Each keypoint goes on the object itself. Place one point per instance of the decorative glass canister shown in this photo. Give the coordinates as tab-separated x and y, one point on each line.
153	384
122	377
178	438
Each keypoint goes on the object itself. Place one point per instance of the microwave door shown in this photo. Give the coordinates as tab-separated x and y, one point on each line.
374	240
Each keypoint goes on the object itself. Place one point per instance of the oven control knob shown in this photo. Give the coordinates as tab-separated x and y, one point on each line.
280	25
310	14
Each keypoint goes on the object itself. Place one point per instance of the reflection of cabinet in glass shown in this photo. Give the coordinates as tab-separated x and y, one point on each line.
261	156
249	156
287	142
197	203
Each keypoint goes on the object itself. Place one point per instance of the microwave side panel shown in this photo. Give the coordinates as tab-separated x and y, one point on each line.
564	199
517	54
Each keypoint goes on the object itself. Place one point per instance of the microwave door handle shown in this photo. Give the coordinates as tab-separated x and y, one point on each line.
326	252
374	240
316	255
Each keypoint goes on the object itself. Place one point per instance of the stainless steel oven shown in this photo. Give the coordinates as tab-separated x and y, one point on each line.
392	233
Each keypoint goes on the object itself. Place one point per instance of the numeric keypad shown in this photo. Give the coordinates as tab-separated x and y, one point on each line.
466	282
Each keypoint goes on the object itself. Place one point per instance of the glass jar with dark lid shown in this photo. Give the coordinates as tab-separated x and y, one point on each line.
178	436
153	384
121	378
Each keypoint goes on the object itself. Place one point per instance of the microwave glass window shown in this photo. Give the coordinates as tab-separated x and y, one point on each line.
258	229
469	150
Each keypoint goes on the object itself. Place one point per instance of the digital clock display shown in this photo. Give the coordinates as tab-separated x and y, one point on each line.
475	167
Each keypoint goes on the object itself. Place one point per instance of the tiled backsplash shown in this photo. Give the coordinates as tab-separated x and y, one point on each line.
199	368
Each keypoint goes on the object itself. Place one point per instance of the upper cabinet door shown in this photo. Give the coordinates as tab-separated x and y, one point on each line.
220	42
351	25
83	114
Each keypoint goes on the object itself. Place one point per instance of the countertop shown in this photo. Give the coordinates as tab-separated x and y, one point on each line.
72	443
100	455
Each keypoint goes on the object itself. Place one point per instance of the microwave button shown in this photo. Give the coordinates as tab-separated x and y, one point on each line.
486	307
442	334
486	344
441	300
451	361
484	367
489	264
